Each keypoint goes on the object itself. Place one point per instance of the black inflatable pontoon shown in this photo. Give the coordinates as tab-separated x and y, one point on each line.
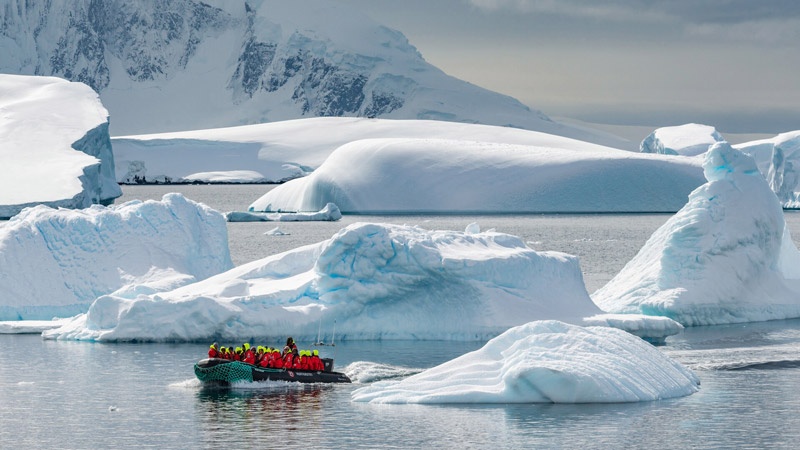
225	371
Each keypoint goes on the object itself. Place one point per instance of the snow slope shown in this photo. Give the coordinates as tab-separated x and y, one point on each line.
54	145
446	176
545	362
376	281
725	257
211	64
56	262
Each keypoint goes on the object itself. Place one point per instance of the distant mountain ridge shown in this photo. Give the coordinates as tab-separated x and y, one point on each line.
186	64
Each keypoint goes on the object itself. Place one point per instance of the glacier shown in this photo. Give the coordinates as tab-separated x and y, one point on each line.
419	175
691	139
545	362
280	151
725	257
374	281
56	262
253	61
54	145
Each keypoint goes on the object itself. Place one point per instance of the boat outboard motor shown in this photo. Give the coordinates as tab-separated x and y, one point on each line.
328	362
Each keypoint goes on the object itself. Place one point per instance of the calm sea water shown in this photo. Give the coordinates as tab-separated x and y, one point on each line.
89	395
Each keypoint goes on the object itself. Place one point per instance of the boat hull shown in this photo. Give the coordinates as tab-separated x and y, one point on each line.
216	370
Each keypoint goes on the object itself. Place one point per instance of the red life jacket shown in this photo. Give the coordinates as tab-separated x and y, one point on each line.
213	353
316	363
249	357
288	361
237	356
275	360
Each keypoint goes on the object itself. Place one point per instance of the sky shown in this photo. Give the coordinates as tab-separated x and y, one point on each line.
732	64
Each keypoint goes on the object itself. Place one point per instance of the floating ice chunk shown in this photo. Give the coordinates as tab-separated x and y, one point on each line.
545	362
329	213
687	140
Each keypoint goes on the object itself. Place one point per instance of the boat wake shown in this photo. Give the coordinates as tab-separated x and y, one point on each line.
775	357
370	372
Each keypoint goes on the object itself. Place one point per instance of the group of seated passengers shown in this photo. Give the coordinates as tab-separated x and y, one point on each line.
289	358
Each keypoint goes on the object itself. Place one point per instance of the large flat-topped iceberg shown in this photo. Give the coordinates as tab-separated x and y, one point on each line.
278	151
545	362
374	281
460	176
56	262
691	139
725	257
54	145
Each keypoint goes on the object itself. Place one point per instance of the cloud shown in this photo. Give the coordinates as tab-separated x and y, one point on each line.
619	10
690	11
765	22
764	32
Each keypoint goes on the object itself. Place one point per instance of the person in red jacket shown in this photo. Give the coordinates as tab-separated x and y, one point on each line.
296	360
275	360
302	361
238	354
290	346
288	360
316	363
213	351
264	361
260	355
249	356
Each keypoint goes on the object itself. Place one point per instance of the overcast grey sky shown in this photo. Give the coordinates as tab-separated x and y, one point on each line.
733	64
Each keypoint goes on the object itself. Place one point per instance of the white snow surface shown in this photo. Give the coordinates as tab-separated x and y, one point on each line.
776	159
691	139
56	262
545	362
415	175
279	151
374	281
725	257
54	145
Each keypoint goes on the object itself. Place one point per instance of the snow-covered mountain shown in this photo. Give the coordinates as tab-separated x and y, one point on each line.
188	64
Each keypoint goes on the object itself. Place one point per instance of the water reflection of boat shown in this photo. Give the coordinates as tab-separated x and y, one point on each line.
223	371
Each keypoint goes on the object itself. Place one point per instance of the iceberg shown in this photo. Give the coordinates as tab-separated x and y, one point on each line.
56	262
54	145
408	175
691	139
329	213
725	257
374	281
776	159
545	362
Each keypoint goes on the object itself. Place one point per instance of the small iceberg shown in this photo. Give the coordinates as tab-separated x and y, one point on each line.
330	213
546	362
276	232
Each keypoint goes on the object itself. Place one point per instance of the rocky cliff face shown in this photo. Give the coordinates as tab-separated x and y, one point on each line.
221	63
